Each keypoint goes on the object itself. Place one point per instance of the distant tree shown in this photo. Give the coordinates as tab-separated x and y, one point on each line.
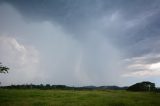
3	69
48	86
142	86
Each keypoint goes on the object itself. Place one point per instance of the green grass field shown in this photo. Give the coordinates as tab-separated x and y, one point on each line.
77	98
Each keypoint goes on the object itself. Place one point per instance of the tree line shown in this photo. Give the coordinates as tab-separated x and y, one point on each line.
144	86
62	87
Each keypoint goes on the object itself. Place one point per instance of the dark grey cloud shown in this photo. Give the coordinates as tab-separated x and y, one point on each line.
63	11
76	15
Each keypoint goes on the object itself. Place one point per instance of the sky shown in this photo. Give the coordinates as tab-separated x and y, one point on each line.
80	42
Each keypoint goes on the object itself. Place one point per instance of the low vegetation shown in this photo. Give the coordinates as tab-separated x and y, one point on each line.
14	97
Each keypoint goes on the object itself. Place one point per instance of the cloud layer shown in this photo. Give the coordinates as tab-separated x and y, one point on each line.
80	43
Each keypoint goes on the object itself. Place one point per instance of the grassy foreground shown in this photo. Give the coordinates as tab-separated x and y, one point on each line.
77	98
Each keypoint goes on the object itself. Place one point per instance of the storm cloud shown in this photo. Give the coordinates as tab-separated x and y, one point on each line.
73	42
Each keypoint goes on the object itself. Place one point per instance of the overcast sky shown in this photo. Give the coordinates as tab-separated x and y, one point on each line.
80	42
